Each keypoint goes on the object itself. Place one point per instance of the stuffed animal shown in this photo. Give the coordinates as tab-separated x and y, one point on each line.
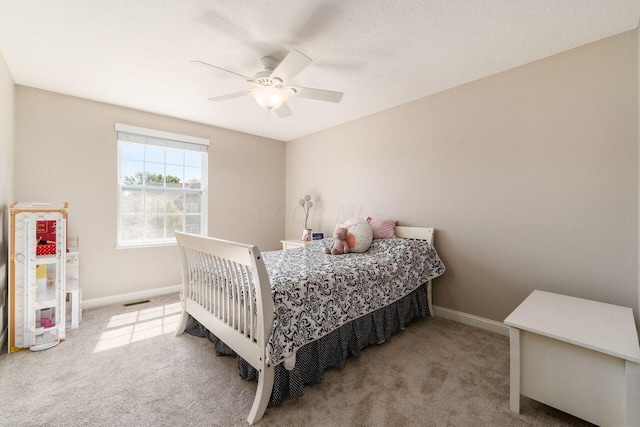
339	245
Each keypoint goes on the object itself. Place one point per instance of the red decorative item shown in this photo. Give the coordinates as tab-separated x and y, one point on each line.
47	249
46	230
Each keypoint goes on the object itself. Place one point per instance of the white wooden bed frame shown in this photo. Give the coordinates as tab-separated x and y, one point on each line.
244	324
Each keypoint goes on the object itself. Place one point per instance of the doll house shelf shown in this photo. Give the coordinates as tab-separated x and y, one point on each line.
37	264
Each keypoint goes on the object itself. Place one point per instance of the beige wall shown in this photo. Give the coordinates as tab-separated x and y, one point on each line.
66	151
530	177
7	109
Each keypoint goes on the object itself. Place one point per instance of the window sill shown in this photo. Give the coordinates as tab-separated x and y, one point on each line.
145	245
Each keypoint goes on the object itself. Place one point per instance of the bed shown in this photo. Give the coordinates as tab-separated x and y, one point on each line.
269	307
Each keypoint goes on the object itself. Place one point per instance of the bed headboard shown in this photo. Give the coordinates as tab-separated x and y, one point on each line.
422	233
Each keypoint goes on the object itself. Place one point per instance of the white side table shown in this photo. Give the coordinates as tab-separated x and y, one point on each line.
577	355
290	244
73	290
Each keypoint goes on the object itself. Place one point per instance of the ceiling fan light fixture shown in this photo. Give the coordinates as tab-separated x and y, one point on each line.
271	91
269	97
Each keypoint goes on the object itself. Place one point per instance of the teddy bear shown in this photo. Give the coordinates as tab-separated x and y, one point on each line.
339	245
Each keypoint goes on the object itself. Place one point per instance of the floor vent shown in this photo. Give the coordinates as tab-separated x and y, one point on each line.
136	303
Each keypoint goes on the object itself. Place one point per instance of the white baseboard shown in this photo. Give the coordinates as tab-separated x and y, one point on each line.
447	313
471	320
130	297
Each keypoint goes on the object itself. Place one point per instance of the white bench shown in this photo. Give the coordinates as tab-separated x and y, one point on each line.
577	355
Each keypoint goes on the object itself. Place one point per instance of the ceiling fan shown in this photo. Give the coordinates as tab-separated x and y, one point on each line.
273	84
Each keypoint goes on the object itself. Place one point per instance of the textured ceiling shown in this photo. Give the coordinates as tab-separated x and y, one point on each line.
137	53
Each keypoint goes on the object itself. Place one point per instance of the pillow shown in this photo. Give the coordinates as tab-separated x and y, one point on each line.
359	236
382	228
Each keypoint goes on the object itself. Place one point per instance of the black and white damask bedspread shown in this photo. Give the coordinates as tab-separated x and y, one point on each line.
315	293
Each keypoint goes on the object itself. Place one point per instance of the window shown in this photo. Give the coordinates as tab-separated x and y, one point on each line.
162	186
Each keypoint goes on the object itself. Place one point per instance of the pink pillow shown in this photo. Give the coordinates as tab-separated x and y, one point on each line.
382	228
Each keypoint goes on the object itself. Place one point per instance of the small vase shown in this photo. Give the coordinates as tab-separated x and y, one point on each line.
306	235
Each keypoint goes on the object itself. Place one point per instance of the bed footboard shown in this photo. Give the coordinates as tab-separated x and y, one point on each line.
226	288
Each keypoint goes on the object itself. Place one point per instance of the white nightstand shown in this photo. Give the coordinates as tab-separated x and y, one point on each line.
290	244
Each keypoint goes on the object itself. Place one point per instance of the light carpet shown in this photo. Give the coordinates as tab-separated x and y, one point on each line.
124	367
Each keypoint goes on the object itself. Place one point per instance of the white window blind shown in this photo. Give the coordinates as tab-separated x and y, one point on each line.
140	135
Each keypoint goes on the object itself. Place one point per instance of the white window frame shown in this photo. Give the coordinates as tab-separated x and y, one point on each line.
166	139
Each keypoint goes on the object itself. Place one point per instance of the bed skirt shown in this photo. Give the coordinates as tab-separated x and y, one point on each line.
331	350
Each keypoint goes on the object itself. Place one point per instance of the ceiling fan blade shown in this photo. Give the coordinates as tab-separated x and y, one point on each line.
229	96
318	94
283	110
291	66
221	69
